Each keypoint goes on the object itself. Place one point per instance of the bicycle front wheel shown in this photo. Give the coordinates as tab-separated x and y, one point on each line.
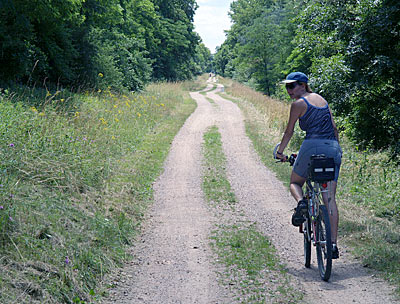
324	243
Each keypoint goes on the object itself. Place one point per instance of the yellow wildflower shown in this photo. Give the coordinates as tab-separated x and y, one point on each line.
101	75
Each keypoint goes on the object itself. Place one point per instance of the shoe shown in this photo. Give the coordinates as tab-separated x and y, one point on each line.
297	217
335	251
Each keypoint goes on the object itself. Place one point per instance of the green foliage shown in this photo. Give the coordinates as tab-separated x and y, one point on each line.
355	60
350	50
257	43
174	54
71	42
203	60
119	61
372	181
330	75
38	36
222	60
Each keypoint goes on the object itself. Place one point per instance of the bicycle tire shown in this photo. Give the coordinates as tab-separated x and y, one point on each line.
307	241
324	243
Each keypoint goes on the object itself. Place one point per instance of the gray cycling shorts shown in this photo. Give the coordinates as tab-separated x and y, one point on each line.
309	147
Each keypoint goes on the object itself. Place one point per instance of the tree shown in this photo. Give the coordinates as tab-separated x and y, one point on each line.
202	60
349	48
113	43
174	56
36	39
355	59
71	42
222	58
258	42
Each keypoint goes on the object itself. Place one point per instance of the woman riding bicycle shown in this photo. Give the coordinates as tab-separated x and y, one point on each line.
315	117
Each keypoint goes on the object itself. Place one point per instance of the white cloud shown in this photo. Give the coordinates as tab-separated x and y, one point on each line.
210	20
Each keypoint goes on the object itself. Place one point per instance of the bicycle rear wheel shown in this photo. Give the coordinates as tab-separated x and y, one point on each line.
324	243
307	241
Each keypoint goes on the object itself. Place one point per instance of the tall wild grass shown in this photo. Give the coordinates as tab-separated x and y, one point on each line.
75	178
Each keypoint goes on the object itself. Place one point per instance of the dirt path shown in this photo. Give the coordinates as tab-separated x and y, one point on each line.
173	256
173	262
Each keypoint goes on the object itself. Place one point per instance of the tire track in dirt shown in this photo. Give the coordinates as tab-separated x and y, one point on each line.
172	263
267	202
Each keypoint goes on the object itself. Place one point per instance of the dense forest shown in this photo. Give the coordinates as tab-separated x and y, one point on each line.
349	48
99	43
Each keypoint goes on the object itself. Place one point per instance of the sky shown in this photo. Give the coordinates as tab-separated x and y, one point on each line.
210	21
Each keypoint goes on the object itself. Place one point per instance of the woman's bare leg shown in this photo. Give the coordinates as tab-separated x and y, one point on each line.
296	184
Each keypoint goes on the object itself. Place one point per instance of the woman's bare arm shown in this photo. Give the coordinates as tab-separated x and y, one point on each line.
296	110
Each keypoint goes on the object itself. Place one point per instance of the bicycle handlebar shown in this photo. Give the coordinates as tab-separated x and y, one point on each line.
291	159
276	149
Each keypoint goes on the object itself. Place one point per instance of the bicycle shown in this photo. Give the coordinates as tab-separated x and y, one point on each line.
316	228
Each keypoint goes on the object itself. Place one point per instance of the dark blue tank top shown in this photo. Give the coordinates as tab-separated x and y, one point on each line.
317	122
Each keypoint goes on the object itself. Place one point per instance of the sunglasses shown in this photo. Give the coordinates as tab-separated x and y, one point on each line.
291	86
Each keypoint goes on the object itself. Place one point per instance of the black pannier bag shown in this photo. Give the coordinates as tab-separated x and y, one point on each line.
322	168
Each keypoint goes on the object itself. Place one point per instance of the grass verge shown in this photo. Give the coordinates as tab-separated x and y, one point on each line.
252	270
76	176
368	188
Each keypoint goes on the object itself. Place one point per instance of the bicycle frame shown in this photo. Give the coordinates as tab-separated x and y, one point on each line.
314	197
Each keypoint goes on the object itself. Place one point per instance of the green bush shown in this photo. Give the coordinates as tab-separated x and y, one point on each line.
119	61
